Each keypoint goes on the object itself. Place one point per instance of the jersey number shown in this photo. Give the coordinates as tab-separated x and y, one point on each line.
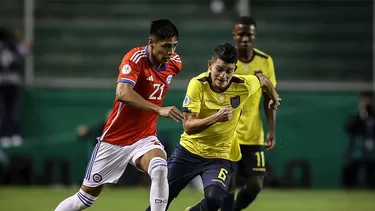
158	88
260	159
222	174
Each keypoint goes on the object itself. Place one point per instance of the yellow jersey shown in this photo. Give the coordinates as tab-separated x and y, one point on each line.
250	128
218	140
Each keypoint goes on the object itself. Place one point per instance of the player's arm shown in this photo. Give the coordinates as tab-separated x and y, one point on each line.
126	94
258	80
270	90
270	113
267	86
192	106
193	125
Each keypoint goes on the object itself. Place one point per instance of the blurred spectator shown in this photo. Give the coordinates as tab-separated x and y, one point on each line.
11	65
361	153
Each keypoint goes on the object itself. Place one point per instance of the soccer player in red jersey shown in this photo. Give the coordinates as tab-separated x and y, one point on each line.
130	133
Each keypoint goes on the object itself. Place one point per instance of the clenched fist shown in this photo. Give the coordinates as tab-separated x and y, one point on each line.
224	114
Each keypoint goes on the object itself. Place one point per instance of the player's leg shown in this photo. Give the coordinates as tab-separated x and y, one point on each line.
150	157
183	166
216	177
106	165
155	164
228	203
252	169
248	193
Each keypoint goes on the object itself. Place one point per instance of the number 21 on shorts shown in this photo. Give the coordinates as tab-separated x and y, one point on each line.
260	159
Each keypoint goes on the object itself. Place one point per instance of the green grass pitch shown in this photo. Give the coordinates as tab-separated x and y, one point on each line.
136	199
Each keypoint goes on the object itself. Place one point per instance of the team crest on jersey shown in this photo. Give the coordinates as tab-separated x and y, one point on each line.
235	101
169	78
97	177
186	101
126	69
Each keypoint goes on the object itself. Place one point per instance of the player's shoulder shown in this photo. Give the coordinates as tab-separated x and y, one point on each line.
261	54
239	79
242	79
202	78
176	61
136	54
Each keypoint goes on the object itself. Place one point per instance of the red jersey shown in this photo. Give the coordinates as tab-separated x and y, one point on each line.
127	125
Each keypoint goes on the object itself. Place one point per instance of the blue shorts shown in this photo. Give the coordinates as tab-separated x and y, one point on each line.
252	162
184	166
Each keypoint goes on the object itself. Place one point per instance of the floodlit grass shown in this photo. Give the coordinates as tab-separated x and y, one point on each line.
124	199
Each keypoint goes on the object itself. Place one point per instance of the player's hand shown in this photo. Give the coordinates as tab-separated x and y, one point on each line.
224	114
274	103
271	141
171	112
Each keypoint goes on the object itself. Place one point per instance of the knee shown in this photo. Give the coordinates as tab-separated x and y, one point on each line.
214	196
158	170
254	184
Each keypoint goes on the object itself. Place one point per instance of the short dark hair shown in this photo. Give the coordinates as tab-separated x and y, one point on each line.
163	29
225	52
246	20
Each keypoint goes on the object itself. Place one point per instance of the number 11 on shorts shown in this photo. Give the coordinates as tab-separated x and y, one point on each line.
260	159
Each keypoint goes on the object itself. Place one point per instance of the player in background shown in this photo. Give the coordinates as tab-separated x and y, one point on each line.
130	133
212	107
249	131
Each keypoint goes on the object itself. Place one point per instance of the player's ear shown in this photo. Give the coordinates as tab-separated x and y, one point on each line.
209	64
235	68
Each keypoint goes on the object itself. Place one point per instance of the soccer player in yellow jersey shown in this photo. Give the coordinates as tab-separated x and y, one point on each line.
212	107
249	130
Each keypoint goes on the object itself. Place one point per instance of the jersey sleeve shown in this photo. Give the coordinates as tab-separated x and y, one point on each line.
193	97
252	83
270	73
128	70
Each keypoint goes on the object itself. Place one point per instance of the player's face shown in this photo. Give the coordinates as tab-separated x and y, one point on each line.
244	35
221	73
163	50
